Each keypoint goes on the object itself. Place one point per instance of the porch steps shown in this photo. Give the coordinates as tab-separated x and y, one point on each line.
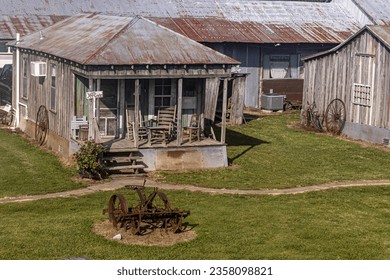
125	162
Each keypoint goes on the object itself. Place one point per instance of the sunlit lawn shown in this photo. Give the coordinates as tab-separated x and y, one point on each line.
267	153
26	169
348	223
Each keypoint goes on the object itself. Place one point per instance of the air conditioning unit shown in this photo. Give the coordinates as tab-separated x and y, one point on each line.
272	102
38	68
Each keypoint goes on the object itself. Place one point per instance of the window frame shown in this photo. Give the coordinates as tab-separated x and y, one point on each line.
53	87
166	92
362	95
24	79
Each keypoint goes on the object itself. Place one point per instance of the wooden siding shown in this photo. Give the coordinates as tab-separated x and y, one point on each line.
364	61
38	93
292	88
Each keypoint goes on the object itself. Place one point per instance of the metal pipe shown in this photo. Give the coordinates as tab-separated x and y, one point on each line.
17	81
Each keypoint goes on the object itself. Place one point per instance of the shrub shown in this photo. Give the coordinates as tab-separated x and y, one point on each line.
88	160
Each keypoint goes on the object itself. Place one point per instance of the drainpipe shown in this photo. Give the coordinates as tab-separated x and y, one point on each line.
17	81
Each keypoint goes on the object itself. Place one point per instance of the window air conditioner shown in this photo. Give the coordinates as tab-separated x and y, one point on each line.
38	68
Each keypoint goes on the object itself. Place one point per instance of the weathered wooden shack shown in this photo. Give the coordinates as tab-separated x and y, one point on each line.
107	78
357	72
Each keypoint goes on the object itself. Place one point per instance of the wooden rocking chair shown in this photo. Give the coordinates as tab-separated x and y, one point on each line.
193	129
130	123
165	127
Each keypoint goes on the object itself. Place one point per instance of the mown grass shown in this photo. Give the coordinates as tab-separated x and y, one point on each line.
266	153
350	223
25	169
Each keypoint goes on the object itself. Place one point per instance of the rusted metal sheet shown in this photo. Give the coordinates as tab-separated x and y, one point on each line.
10	25
221	20
92	39
381	32
221	30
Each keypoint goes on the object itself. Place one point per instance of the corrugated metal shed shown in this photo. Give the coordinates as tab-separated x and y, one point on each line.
92	39
219	20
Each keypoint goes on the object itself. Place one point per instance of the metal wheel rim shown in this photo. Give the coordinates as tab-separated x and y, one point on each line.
335	116
135	225
41	125
316	122
117	208
287	106
176	224
308	118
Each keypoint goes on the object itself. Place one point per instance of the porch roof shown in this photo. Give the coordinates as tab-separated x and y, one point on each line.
92	39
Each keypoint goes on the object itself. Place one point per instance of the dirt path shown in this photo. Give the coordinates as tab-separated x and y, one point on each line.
118	183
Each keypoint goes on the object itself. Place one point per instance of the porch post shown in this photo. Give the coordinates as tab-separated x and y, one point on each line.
224	104
121	124
91	112
179	109
136	110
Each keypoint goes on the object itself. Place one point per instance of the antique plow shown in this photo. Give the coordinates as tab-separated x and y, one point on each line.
147	214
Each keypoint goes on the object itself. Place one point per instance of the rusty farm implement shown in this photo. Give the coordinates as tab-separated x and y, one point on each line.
152	212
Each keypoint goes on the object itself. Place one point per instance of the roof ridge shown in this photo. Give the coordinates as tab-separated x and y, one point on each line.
115	36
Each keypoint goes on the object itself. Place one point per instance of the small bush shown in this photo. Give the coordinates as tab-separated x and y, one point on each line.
88	160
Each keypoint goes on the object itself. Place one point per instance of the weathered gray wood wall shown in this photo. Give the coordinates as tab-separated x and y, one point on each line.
363	61
39	90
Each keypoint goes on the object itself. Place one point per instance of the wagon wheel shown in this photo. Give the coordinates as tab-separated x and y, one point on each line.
135	225
335	116
307	117
41	125
287	106
117	208
177	223
316	121
164	199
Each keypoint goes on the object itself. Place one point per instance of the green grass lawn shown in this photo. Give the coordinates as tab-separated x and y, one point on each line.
350	223
266	153
25	169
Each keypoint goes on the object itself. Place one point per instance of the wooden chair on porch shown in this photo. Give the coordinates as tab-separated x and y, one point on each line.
193	129
130	123
165	126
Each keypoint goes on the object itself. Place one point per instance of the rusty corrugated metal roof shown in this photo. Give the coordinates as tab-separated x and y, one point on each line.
10	25
381	32
220	20
92	39
221	30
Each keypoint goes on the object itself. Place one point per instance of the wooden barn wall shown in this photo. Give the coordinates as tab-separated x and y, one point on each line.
38	93
365	60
